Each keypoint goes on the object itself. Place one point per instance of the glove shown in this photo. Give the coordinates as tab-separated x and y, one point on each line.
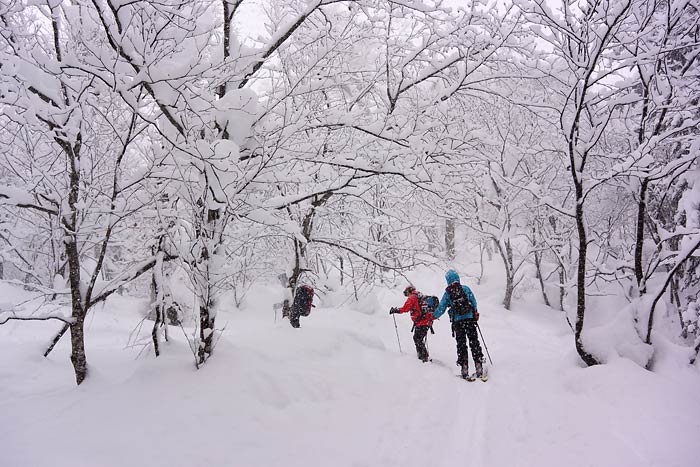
476	315
393	310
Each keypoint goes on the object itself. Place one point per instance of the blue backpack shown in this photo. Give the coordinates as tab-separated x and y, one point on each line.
428	303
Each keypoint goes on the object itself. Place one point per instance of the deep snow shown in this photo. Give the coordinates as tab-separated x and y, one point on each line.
337	392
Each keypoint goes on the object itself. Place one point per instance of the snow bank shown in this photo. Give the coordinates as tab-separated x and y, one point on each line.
617	338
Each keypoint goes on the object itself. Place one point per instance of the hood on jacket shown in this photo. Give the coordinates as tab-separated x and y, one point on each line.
451	276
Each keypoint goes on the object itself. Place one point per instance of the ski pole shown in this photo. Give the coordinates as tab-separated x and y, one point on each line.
482	340
397	333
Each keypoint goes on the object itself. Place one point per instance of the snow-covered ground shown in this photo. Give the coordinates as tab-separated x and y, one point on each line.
338	392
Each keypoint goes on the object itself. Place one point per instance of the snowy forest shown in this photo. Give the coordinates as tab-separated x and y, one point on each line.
173	171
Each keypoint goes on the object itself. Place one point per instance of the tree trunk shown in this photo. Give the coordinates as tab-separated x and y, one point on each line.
581	280
154	332
206	333
669	277
506	252
206	318
676	302
77	356
296	270
210	237
300	252
508	297
158	296
482	247
450	239
538	272
70	222
695	357
538	266
562	289
639	238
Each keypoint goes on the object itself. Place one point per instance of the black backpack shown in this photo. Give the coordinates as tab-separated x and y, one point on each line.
304	299
460	302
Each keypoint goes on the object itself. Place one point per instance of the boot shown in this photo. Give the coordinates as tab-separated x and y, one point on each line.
479	369
423	357
465	371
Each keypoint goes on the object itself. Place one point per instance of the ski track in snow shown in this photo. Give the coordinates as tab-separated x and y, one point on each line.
467	433
338	393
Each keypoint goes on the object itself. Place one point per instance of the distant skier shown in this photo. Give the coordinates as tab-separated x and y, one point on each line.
463	316
303	301
422	317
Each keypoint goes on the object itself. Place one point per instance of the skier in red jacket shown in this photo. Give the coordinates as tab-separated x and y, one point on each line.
422	320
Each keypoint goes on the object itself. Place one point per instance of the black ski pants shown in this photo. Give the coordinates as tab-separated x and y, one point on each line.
419	335
463	330
294	315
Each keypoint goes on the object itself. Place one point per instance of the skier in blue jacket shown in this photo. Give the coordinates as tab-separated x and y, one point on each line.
463	313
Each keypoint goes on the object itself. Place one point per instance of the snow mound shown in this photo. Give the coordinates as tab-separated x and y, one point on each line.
617	338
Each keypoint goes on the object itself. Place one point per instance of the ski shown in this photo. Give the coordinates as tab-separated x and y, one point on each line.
438	363
473	376
484	375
